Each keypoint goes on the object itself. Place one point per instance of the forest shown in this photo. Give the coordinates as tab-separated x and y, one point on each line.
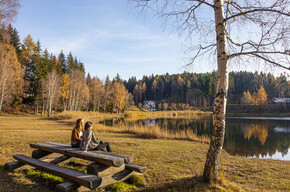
34	80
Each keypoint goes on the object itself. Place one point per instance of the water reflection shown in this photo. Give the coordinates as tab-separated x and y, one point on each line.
261	138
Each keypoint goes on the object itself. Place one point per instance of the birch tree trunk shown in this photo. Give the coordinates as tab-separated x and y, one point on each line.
49	108
2	98
211	166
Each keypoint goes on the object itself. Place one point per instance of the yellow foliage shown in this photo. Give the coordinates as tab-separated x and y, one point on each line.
261	96
120	95
65	85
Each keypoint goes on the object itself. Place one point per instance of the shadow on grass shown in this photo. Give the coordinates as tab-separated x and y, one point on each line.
182	185
16	181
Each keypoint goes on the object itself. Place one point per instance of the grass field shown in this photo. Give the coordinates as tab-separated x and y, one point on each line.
173	165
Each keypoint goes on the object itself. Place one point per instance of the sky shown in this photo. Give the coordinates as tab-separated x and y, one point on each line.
108	36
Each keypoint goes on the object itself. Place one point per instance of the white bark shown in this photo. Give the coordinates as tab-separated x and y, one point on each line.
216	143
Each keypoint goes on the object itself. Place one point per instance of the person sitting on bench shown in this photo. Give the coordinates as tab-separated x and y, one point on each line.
77	132
91	142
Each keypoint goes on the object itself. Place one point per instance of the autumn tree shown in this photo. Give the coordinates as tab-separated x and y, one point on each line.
246	98
11	81
97	91
260	97
119	96
65	89
222	33
139	90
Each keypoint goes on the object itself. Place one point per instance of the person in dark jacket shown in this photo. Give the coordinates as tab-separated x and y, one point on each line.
91	142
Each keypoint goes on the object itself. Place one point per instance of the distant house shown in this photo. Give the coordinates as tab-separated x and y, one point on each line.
149	104
281	100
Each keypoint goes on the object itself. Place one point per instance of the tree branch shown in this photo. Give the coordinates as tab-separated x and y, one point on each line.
256	10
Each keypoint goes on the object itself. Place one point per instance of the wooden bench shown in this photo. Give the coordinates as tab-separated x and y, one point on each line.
106	168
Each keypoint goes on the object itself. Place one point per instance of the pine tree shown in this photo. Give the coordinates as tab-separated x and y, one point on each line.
14	39
154	87
27	52
70	63
61	58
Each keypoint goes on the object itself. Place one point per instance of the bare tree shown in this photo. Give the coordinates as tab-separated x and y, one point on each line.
243	31
51	86
8	10
79	91
96	93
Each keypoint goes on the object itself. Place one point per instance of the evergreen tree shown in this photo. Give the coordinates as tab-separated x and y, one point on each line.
14	39
70	63
61	58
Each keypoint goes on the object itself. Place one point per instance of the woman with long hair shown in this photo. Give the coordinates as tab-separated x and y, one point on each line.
91	142
77	132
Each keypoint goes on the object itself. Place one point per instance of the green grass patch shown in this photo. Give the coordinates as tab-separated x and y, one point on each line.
49	178
137	180
122	187
74	168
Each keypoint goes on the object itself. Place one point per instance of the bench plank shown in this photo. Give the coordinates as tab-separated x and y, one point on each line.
127	158
74	152
89	181
136	167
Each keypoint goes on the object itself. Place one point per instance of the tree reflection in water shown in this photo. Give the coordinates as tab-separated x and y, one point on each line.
243	137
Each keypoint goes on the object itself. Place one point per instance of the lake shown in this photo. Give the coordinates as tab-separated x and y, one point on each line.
251	137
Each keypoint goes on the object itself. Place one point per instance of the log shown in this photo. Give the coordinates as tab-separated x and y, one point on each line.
121	176
74	152
13	165
37	154
89	181
136	167
103	170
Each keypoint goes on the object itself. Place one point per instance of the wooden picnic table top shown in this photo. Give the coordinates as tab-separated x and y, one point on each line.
105	158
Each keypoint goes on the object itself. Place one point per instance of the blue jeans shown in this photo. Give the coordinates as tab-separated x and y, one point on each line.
77	145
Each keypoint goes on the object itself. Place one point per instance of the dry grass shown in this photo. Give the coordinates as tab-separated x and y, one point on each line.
165	114
173	165
71	116
156	132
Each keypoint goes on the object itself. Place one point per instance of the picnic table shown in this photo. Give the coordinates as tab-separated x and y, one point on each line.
106	167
